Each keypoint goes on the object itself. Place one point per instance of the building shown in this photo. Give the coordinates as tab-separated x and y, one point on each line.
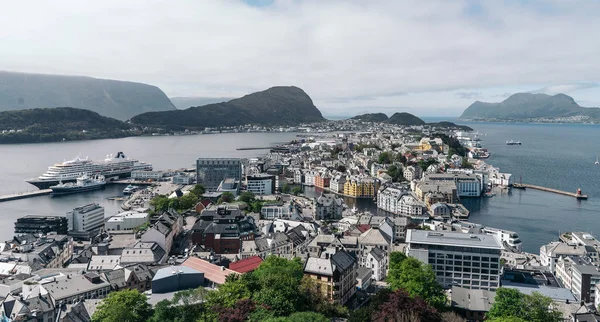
335	275
72	288
127	220
467	185
261	184
412	173
183	179
86	221
401	202
222	228
229	185
211	171
580	276
550	253
149	253
214	275
176	278
361	187
33	224
436	191
278	211
466	260
322	180
328	207
147	175
472	304
377	262
246	265
164	231
336	184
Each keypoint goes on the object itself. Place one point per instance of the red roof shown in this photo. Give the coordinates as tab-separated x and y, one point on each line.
246	265
212	272
363	228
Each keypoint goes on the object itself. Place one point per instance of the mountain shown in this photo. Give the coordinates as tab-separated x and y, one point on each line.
405	119
56	124
371	117
181	103
117	99
528	106
281	105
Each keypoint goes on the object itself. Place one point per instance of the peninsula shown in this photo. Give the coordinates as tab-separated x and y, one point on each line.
528	107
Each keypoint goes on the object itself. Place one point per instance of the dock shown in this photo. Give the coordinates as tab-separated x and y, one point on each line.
23	195
578	195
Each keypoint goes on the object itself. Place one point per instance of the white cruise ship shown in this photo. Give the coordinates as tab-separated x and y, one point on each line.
112	166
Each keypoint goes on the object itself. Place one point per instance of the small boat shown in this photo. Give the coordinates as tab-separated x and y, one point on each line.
130	189
489	194
511	142
82	184
597	162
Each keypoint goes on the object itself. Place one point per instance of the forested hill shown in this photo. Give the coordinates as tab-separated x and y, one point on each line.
117	99
56	124
281	105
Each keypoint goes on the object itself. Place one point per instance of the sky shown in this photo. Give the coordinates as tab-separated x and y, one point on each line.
429	58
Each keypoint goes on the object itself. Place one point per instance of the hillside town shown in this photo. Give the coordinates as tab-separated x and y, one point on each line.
302	204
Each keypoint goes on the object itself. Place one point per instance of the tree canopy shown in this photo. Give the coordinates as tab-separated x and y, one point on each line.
512	304
416	278
129	305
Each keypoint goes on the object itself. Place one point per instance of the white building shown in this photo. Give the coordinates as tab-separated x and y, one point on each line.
284	211
309	178
146	175
86	219
511	238
261	184
182	178
580	276
377	261
127	220
465	260
412	173
328	207
401	202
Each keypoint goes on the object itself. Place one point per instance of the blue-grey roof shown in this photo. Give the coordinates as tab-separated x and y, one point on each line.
555	293
168	271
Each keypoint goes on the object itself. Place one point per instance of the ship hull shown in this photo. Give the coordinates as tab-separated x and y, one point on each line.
46	184
68	191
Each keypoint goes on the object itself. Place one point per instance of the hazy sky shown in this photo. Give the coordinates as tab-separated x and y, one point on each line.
424	57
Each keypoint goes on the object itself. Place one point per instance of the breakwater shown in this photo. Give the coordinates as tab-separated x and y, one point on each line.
576	194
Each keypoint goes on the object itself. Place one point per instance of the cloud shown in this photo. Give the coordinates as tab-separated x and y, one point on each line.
335	50
468	95
565	88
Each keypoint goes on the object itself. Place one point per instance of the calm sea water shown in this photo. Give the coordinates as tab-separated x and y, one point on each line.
557	156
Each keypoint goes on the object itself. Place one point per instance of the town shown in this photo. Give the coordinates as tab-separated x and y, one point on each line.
283	236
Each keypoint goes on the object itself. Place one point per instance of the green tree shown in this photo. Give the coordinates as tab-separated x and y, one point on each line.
198	190
301	317
297	190
466	164
247	197
226	197
538	309
385	157
507	319
396	173
160	203
508	302
286	188
187	201
417	279
127	305
229	293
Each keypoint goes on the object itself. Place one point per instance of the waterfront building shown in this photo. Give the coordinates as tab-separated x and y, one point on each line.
335	274
550	253
361	187
86	221
261	184
509	239
322	180
400	201
580	276
336	184
465	260
467	185
144	175
210	172
34	224
442	191
182	179
309	178
329	207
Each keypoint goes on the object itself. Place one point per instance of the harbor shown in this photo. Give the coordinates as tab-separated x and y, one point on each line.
578	195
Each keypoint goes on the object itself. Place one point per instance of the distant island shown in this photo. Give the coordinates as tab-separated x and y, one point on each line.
528	107
58	124
281	105
117	99
406	119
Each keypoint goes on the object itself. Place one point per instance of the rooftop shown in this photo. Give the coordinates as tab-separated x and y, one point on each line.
453	239
246	265
212	272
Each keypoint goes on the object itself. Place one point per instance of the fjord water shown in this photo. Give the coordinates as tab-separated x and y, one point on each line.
25	161
555	156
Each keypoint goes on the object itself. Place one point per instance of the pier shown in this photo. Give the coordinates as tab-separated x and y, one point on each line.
578	195
23	195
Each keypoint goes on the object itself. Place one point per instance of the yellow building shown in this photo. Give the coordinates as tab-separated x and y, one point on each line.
361	187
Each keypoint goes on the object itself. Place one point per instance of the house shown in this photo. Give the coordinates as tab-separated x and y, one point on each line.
328	207
164	230
246	265
335	275
223	228
149	253
213	275
472	304
377	261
